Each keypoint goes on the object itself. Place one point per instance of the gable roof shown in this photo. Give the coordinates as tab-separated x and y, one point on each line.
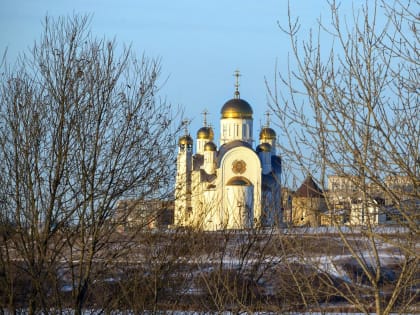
309	189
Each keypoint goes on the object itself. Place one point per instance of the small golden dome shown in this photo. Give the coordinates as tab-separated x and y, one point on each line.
205	133
267	134
237	108
264	147
185	140
210	146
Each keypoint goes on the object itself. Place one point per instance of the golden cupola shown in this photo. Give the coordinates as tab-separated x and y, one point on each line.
237	108
267	133
206	133
210	146
185	140
236	122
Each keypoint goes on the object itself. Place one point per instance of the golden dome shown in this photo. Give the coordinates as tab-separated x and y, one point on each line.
267	134
210	146
264	147
205	133
185	140
237	108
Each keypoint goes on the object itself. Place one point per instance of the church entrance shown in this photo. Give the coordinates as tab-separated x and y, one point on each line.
239	204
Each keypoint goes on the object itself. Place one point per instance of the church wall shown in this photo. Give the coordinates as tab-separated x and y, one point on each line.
211	204
183	188
238	213
251	172
196	200
205	204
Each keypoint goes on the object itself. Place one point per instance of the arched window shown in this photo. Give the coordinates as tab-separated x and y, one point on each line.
238	181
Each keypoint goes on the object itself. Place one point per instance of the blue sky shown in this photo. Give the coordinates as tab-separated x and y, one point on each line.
201	43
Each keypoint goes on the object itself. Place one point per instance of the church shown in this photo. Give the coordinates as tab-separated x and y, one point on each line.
233	185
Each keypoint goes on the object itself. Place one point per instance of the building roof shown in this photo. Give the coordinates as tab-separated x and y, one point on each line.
230	145
309	189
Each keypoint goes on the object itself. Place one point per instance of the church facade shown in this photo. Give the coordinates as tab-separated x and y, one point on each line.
233	186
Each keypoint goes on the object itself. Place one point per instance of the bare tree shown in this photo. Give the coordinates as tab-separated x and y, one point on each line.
81	127
351	109
233	270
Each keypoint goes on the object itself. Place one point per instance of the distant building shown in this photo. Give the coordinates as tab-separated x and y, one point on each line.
233	186
376	203
369	212
144	214
341	188
308	204
404	188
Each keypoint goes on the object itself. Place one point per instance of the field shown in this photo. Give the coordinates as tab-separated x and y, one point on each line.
237	271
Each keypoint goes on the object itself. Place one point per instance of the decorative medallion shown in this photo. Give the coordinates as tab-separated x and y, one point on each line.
238	167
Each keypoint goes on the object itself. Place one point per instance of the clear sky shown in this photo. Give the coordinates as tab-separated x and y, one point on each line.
201	43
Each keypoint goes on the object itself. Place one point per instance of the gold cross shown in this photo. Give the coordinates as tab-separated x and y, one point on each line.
205	113
267	114
237	75
185	123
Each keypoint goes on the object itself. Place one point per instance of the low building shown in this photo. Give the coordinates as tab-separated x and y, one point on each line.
144	214
335	217
391	201
367	213
308	204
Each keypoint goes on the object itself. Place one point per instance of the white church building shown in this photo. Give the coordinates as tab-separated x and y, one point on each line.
233	186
